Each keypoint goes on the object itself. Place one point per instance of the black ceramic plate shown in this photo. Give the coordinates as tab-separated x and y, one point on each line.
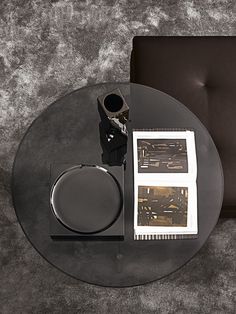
86	199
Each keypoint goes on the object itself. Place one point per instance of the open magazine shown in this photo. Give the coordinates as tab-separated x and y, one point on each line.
165	190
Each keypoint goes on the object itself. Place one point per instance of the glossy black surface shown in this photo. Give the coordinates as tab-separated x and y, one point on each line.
96	201
68	131
86	199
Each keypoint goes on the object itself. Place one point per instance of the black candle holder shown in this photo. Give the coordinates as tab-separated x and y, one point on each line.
114	113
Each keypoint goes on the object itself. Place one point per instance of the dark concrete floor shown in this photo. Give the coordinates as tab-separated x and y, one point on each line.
47	49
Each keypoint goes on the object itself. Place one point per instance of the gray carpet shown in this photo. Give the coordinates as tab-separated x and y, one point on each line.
47	49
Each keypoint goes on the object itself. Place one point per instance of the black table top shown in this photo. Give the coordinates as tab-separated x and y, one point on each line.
67	132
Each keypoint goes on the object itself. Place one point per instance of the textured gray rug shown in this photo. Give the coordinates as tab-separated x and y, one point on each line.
47	49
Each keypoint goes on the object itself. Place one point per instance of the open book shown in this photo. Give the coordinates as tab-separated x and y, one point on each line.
165	190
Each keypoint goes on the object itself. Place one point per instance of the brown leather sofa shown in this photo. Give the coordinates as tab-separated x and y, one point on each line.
201	73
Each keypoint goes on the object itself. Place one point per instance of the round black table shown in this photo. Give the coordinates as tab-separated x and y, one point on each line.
67	131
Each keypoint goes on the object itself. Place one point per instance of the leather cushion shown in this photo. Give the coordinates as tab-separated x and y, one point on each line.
201	73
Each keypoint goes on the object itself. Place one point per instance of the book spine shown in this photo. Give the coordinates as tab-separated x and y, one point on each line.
164	236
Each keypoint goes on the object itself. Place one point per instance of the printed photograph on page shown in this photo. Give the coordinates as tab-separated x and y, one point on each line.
162	206
162	156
